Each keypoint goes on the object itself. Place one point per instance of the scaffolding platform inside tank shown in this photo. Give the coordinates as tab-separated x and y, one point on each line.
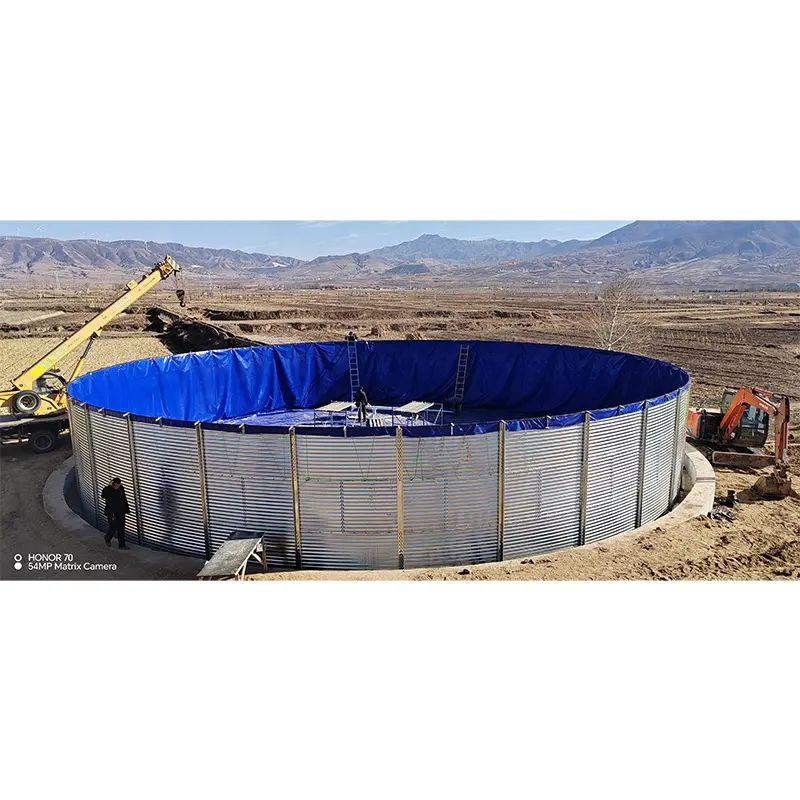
343	414
413	413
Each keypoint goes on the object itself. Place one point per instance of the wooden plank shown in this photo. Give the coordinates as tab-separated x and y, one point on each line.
232	555
337	405
414	407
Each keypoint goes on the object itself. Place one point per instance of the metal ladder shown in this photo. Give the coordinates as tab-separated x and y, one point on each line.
461	373
352	357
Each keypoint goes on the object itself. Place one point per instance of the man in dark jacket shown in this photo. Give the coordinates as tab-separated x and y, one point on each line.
116	509
360	399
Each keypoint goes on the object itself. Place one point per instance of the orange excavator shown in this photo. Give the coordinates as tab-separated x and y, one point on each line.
743	421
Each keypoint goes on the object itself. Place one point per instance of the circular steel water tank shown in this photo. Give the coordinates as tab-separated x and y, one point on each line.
554	447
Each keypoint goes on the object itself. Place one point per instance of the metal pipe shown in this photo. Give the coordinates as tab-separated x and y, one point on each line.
673	489
399	494
93	467
134	479
72	443
584	478
295	498
501	487
201	464
640	479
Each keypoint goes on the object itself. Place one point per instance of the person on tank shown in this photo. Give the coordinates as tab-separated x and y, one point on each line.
115	511
361	401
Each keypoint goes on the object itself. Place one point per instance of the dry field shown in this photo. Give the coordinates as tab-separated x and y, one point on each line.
17	354
727	339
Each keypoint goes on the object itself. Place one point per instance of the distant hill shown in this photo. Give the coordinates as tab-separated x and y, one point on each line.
638	232
679	253
432	247
655	243
428	254
86	258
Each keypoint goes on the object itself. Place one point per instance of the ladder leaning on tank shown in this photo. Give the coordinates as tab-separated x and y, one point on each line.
456	400
352	361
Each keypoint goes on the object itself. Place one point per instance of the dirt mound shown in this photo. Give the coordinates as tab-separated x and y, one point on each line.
433	313
233	314
510	314
189	335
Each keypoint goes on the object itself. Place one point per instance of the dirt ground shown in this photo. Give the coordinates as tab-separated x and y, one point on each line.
26	528
728	339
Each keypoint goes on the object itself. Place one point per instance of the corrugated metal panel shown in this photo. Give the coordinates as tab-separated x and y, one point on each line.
83	459
348	502
658	463
613	476
249	488
450	499
684	411
112	457
347	488
169	488
542	490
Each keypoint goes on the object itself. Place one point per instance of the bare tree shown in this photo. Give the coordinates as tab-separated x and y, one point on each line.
613	319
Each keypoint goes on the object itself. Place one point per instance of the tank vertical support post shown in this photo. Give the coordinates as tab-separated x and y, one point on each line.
201	465
72	442
298	549
401	532
501	486
673	489
587	418
134	479
93	465
642	449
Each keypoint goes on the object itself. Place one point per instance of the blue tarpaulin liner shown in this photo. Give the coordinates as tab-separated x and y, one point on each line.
536	385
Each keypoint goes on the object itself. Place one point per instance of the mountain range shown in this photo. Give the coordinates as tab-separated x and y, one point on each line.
711	253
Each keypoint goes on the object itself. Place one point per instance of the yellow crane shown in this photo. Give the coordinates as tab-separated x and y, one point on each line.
34	393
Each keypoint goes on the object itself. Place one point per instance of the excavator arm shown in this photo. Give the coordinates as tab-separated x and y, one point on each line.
782	435
135	290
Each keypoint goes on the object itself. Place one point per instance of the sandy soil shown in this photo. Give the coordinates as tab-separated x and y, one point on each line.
731	340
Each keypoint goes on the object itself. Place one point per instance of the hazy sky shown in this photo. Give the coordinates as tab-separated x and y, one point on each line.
304	239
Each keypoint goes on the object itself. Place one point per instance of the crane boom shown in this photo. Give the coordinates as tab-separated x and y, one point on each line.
135	289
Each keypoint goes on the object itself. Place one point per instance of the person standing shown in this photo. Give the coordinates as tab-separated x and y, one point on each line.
360	399
115	511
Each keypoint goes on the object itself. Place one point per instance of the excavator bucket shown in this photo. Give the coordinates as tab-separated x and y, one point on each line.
773	485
